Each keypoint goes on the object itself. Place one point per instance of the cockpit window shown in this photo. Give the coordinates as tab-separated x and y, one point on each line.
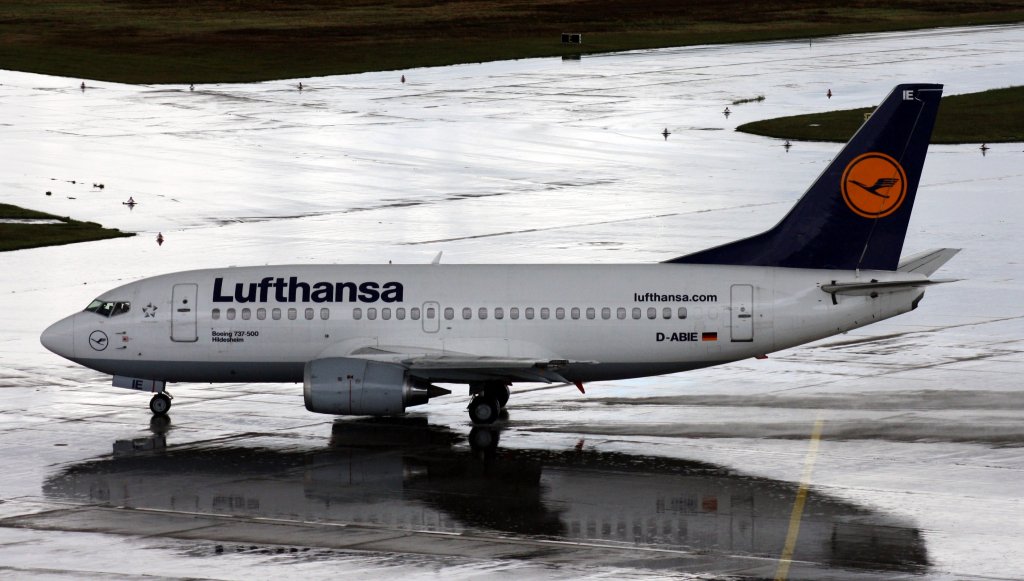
109	308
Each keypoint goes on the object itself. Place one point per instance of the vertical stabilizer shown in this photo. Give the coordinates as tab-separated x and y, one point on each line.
855	215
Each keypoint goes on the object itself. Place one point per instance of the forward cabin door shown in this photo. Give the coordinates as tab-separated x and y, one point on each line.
184	312
742	310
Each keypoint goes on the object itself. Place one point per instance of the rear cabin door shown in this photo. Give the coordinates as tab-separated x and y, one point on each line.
183	313
742	312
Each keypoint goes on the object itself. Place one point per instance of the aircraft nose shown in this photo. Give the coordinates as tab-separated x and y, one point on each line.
60	337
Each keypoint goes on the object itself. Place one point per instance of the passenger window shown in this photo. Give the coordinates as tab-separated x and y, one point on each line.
449	313
261	313
357	314
620	313
482	313
292	314
215	314
575	313
467	313
275	314
400	313
529	313
231	314
560	313
606	313
652	313
371	314
682	312
385	313
499	313
637	312
325	314
431	313
545	313
513	313
666	313
591	312
309	313
414	313
246	314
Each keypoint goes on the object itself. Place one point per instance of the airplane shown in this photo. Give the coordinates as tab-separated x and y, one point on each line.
375	339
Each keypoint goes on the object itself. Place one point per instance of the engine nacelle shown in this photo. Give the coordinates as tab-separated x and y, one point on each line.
349	386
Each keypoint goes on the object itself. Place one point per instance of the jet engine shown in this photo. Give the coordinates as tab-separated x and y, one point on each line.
349	386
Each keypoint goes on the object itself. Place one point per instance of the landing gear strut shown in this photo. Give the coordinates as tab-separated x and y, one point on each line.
488	401
160	403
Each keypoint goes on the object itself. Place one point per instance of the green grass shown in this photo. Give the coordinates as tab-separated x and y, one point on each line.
988	117
21	236
183	41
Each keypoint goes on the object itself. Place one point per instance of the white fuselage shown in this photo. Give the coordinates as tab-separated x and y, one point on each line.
609	321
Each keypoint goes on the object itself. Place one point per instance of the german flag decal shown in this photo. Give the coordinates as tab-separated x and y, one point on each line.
709	336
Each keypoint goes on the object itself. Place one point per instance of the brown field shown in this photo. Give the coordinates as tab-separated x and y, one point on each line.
183	41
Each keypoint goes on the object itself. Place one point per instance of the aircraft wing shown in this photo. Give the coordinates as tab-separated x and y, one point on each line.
445	365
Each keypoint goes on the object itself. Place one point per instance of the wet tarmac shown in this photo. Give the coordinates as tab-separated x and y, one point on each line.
902	443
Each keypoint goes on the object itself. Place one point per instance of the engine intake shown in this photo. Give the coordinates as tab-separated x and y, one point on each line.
349	386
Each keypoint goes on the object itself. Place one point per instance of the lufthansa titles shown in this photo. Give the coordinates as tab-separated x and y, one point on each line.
293	290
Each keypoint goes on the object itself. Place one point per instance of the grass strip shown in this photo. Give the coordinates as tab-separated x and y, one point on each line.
987	117
207	41
22	236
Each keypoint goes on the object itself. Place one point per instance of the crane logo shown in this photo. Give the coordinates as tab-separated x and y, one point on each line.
98	340
874	185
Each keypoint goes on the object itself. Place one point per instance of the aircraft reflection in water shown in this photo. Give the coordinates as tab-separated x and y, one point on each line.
411	476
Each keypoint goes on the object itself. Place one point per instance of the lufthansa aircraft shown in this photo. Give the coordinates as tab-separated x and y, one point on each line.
373	339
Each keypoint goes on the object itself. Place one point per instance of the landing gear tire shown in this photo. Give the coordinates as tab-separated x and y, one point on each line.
159	405
484	409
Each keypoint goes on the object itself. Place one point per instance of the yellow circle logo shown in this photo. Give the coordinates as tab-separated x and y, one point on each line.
874	185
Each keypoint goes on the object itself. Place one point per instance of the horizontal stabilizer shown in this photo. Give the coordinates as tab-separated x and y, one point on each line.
927	262
867	288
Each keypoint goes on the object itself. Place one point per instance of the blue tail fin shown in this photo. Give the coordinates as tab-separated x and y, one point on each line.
855	215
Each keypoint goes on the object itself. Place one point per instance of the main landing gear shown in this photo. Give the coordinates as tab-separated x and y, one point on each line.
160	403
488	401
